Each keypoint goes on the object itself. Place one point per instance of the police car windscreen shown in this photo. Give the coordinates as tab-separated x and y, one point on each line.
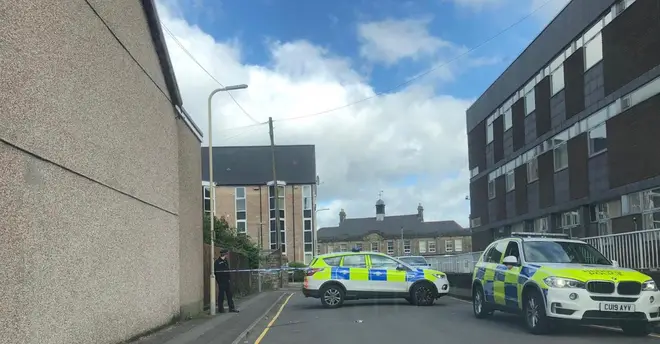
414	260
562	252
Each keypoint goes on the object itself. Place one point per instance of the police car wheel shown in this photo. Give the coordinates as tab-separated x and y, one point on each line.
423	295
332	296
534	312
636	329
479	306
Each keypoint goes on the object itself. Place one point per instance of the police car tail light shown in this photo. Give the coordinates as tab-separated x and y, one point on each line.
558	282
649	285
311	272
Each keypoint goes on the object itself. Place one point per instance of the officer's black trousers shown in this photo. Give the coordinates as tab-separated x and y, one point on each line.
225	288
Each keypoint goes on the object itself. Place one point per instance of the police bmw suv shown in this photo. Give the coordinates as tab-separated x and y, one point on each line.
337	277
547	278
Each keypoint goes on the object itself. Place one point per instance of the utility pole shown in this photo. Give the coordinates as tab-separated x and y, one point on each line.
402	251
276	189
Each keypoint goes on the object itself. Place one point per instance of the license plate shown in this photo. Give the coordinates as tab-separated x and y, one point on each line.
617	307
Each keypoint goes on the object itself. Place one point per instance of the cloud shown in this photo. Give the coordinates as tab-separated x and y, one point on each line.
390	40
478	5
361	149
549	9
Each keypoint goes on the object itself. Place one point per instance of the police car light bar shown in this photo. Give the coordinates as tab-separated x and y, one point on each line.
540	235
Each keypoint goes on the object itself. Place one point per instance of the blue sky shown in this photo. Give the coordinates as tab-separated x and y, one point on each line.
302	57
333	25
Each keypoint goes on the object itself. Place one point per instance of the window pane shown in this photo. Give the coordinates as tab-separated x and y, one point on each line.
281	203
207	192
240	204
207	205
557	80
508	121
307	214
272	214
281	214
307	203
356	261
308	236
593	52
307	191
272	225
308	225
240	192
489	133
241	227
308	247
530	102
598	139
271	203
240	215
380	262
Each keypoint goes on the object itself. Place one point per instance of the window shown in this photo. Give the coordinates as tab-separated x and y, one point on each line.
458	245
308	258
631	203
333	261
273	228
390	247
598	140
569	219
541	225
532	170
491	189
342	248
207	200
474	172
563	252
495	253
561	157
557	79
530	102
476	222
241	210
406	246
422	247
355	261
308	233
449	246
380	262
432	247
330	249
374	247
593	52
318	249
508	121
358	246
510	181
489	133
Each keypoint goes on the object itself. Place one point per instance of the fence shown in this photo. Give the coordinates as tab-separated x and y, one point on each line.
636	250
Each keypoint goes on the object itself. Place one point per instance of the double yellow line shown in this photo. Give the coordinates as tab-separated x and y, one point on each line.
270	324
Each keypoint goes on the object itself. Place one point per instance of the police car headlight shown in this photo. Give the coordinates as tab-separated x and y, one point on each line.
440	276
649	286
558	282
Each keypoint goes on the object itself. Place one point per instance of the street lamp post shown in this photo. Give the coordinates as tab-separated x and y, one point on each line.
316	240
212	186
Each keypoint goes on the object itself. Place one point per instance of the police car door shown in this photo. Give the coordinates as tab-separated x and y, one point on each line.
358	274
512	290
493	281
384	277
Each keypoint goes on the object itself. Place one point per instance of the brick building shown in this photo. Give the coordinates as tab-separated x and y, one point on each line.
397	235
244	199
565	140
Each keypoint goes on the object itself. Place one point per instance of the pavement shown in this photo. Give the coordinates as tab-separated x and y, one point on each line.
302	320
223	328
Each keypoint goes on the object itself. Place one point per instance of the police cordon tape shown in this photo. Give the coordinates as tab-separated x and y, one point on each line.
265	270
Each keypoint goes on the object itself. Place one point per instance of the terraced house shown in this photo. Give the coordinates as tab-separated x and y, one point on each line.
245	199
566	138
396	235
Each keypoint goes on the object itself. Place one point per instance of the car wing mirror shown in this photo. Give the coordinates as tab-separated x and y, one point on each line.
615	264
511	260
401	267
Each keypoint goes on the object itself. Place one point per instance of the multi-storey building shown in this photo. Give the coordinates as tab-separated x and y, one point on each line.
245	199
396	235
566	138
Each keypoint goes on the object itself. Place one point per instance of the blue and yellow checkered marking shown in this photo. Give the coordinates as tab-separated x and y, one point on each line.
414	276
378	275
340	273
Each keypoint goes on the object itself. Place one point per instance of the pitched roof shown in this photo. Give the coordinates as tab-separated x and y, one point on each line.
252	165
390	228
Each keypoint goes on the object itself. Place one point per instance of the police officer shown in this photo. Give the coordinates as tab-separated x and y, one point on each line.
224	285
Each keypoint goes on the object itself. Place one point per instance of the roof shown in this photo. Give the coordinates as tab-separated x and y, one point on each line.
390	228
252	165
576	16
158	39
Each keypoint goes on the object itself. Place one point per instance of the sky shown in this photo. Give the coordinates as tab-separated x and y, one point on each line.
397	75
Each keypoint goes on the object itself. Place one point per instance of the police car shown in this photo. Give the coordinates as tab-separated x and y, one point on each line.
336	277
547	278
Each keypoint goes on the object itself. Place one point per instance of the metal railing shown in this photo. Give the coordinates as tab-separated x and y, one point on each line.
636	250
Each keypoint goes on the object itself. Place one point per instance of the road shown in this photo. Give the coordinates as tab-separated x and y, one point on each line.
450	320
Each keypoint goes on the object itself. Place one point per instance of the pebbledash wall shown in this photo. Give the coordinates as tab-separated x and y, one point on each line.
100	220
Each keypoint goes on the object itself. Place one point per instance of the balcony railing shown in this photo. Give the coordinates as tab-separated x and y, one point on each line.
636	250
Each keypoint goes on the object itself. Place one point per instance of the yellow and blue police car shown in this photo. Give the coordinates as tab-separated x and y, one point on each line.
547	278
336	277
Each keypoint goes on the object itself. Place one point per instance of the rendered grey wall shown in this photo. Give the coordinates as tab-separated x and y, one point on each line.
90	248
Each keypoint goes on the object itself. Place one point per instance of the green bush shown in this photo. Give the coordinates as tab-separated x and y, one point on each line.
298	275
227	238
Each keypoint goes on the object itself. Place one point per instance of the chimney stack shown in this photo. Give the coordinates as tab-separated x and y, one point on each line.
342	216
420	212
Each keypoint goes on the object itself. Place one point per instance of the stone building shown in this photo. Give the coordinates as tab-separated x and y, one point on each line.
397	235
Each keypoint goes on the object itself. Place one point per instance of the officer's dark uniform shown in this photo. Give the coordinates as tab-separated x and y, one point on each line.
224	287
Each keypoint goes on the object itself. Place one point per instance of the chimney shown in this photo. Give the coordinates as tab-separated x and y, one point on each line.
342	216
420	212
380	210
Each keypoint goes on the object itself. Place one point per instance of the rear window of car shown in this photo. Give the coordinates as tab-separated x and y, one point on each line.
332	261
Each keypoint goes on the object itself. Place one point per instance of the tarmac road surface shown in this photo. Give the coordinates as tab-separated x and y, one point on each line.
303	320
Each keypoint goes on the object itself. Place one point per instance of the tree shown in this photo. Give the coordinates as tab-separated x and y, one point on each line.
227	238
